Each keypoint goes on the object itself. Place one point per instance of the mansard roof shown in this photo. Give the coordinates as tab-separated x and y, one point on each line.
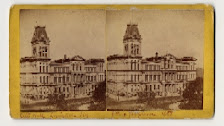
168	56
117	56
32	59
40	35
132	32
74	58
188	59
93	61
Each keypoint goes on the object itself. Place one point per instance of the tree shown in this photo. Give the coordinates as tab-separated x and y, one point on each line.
58	100
193	95
99	97
148	97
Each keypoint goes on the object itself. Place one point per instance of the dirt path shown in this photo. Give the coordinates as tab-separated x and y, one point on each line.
84	107
174	106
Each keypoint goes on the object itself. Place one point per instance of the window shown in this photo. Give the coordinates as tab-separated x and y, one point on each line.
154	67
134	65
77	67
43	69
137	50
131	48
55	80
44	79
131	65
73	66
80	68
40	79
47	79
40	69
63	80
154	77
59	79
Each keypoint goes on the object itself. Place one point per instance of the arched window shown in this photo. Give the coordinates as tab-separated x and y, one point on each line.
131	65
40	51
137	49
146	78
77	67
44	79
132	49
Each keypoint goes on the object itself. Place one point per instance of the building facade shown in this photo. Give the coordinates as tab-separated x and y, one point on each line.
73	77
130	73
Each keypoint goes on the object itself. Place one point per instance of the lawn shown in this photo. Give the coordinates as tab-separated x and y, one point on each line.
157	104
71	105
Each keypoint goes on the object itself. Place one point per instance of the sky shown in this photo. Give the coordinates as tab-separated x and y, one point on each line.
99	33
71	32
179	32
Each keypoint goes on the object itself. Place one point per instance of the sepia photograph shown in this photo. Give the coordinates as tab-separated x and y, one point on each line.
111	60
154	59
62	60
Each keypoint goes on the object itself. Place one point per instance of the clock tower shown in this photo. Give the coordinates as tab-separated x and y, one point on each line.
132	41
40	43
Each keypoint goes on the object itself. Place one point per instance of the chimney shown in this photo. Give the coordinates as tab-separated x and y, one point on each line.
156	55
65	56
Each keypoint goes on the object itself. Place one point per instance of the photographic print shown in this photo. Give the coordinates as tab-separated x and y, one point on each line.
107	61
155	59
62	64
